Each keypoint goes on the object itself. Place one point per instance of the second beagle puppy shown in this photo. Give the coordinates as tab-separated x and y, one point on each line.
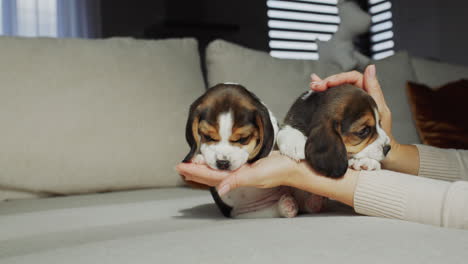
334	129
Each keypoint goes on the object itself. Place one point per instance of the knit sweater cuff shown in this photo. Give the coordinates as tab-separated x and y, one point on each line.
376	197
400	196
438	163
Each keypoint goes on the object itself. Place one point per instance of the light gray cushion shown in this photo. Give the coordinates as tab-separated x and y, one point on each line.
277	82
393	73
177	225
94	115
435	74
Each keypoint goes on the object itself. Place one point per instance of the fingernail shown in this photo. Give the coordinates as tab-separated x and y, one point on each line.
223	190
316	83
371	70
314	76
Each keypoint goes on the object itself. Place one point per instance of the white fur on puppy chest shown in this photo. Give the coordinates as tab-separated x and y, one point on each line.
291	142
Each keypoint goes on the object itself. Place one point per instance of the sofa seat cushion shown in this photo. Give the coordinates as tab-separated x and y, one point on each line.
83	116
178	225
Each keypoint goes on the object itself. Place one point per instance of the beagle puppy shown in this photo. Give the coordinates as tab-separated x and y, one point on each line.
334	130
227	127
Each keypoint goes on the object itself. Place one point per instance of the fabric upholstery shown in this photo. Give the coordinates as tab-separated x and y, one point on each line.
393	73
440	114
277	82
177	225
94	115
436	74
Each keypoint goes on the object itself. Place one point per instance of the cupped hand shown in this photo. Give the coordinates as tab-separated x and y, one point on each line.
272	171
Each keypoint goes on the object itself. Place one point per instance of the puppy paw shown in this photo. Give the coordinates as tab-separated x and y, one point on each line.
199	159
291	142
287	206
364	164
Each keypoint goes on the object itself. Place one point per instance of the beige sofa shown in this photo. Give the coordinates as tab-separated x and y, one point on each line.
91	132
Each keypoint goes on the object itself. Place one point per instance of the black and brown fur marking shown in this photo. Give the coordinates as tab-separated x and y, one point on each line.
338	122
251	125
250	119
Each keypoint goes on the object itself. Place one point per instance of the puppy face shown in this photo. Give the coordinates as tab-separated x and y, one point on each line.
344	125
363	136
229	126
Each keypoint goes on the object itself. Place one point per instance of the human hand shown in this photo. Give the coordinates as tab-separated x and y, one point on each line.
367	81
272	171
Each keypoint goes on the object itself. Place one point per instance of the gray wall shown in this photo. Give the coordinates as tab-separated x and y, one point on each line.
432	28
131	18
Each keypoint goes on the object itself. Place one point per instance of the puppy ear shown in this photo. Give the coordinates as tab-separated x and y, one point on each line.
266	134
191	133
325	151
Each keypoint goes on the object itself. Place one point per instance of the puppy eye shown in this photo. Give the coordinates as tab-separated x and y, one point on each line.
363	132
242	140
208	138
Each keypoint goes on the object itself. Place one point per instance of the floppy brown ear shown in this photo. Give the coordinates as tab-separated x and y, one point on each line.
325	151
191	133
266	134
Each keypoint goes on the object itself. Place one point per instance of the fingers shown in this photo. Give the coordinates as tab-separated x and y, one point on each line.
319	86
352	77
372	85
232	182
201	174
314	80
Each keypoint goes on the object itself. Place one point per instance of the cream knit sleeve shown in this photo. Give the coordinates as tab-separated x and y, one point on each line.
437	196
412	198
443	164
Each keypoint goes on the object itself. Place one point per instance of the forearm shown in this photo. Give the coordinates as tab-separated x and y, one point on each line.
342	190
416	199
402	158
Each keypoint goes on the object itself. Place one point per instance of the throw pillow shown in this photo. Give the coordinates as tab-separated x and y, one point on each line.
441	114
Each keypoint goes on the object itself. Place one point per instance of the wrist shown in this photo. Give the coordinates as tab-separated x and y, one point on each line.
402	158
342	189
392	157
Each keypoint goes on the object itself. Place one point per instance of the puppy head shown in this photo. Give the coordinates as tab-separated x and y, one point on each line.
345	125
229	126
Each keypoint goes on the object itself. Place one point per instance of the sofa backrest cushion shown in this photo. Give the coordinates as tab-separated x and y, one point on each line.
393	73
436	74
277	82
82	116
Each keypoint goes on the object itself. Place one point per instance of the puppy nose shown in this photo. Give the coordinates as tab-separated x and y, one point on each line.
386	149
223	164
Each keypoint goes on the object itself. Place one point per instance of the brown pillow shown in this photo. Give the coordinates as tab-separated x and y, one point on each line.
441	115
